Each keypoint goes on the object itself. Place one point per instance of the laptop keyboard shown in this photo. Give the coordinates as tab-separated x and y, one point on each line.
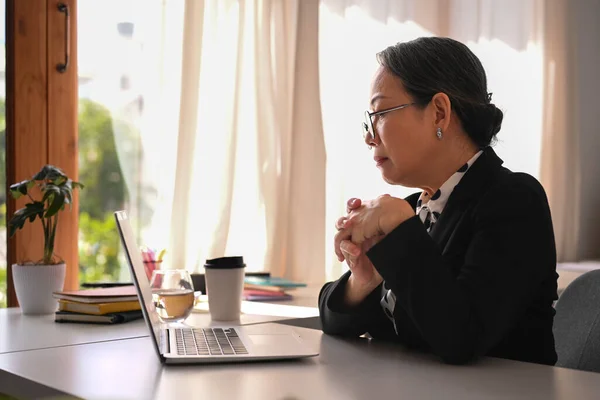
209	342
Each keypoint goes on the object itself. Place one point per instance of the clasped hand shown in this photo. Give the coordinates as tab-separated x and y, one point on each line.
366	224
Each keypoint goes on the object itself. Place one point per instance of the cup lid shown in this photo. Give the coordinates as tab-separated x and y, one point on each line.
225	263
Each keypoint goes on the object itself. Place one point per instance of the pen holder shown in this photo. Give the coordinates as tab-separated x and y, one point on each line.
151	266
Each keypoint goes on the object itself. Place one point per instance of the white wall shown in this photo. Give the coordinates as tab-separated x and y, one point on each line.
586	46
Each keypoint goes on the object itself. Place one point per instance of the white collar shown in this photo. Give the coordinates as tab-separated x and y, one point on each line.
438	201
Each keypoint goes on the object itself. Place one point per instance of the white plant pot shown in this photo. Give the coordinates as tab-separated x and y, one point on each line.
34	285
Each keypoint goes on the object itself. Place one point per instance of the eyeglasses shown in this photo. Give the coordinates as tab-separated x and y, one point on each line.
368	131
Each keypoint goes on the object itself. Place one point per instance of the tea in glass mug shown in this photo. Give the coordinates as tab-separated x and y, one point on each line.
172	294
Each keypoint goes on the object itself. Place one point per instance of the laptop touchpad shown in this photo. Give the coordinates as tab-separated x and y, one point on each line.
273	340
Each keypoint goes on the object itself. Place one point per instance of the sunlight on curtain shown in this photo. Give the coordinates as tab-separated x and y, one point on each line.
146	135
507	38
239	173
504	35
160	87
515	77
215	152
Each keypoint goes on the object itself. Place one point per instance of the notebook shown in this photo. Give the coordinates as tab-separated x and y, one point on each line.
264	288
99	295
272	281
98	308
265	295
111	318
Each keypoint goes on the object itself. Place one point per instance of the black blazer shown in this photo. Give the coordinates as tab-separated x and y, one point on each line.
482	282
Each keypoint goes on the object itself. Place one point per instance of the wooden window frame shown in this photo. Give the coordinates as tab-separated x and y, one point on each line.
41	121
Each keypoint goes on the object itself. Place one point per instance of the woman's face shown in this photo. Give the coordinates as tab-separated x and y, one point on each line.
404	138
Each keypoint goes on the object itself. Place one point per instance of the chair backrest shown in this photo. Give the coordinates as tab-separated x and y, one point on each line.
577	324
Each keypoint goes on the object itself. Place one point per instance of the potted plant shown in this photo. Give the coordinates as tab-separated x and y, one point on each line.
48	191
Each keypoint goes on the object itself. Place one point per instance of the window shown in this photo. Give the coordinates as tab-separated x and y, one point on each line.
119	42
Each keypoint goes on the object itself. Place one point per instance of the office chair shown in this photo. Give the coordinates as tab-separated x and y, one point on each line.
577	324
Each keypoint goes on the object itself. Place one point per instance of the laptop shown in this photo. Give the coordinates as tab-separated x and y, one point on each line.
216	343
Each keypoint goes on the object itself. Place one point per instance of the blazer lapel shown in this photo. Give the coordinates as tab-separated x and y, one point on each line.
477	179
412	200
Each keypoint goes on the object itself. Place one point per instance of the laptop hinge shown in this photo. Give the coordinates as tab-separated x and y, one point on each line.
165	346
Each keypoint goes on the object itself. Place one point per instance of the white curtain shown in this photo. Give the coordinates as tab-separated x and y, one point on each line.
506	36
561	161
207	157
232	174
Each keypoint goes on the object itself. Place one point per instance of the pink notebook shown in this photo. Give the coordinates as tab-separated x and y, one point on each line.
99	295
264	295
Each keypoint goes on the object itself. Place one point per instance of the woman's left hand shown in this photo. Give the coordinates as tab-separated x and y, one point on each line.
377	217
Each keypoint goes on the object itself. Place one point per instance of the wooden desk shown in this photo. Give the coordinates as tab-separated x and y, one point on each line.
345	369
21	332
114	362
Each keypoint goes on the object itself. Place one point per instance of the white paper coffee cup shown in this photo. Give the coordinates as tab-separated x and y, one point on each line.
224	287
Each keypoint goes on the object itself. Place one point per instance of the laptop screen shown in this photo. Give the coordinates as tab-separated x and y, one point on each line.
138	273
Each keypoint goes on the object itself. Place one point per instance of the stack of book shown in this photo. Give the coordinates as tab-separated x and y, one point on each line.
110	305
268	288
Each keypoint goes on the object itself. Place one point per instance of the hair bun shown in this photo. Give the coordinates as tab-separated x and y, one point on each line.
482	121
495	119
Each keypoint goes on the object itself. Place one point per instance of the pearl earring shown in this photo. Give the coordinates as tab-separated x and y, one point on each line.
438	133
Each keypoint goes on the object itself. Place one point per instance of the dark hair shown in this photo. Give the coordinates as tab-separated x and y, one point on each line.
431	65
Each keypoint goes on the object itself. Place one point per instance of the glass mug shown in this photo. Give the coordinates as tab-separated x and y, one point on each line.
172	294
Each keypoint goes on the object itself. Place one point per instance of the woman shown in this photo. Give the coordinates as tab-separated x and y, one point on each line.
467	267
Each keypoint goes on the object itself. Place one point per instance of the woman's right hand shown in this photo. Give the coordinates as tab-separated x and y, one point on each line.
362	268
364	278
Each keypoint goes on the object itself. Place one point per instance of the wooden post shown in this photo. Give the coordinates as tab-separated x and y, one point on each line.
62	126
41	120
26	117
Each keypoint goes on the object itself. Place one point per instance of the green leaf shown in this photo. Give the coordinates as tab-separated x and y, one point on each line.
68	196
34	209
67	189
15	194
77	185
55	175
19	189
50	191
40	176
14	225
57	202
49	172
30	211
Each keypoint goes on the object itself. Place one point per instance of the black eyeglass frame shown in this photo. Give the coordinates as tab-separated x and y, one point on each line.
368	122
